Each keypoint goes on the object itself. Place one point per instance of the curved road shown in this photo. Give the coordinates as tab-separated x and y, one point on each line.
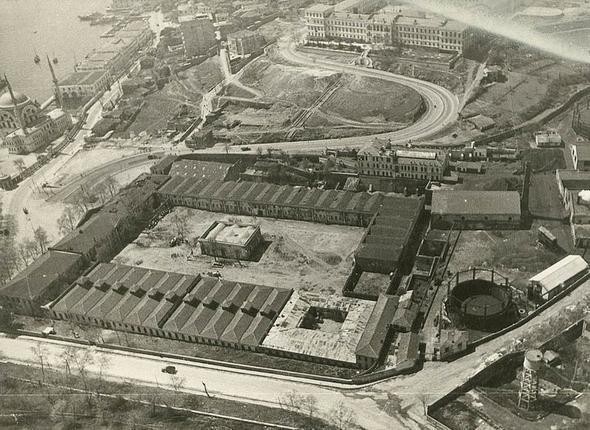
442	106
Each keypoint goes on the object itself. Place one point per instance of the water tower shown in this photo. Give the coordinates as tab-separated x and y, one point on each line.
529	383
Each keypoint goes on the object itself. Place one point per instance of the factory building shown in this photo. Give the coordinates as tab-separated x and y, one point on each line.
231	240
476	210
385	242
273	201
172	305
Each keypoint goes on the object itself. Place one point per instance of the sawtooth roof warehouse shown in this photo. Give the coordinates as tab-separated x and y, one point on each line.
195	308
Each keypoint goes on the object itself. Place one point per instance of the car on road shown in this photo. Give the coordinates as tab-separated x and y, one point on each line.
169	369
246	148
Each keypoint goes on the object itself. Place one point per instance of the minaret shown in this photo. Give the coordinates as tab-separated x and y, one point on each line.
17	112
58	98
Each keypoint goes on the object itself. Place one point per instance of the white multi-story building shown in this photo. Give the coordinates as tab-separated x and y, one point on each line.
402	163
436	33
354	21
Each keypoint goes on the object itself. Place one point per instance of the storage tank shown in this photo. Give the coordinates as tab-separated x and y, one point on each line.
533	360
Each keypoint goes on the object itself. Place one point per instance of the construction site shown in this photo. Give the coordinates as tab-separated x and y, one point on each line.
273	100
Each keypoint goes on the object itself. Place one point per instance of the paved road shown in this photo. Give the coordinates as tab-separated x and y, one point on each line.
367	402
442	107
17	199
90	178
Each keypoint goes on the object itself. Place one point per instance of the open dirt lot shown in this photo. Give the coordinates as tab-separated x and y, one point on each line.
356	99
373	100
301	255
514	253
188	88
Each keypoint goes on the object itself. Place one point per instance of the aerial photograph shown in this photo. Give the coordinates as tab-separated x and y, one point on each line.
295	214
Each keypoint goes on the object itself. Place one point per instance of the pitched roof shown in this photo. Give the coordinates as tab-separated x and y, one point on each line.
476	202
373	338
560	272
201	169
43	273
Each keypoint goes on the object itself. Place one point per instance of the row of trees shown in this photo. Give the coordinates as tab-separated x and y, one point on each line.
339	416
14	258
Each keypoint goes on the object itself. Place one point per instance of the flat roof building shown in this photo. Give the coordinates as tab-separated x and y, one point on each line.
231	240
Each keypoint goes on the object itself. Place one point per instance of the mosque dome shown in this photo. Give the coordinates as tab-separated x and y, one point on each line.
6	100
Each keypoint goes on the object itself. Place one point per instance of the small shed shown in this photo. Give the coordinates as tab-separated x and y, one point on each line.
556	278
482	122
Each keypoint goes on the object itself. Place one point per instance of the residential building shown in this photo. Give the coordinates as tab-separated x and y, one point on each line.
198	34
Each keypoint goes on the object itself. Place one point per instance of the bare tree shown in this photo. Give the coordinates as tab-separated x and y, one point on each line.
81	202
111	185
104	361
82	361
68	220
290	401
180	224
8	260
342	417
309	407
40	235
40	353
424	401
177	383
20	164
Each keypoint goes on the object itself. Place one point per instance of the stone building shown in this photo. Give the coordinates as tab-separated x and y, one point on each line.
24	127
476	210
231	240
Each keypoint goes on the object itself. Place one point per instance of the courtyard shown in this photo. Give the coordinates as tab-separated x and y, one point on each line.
301	255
